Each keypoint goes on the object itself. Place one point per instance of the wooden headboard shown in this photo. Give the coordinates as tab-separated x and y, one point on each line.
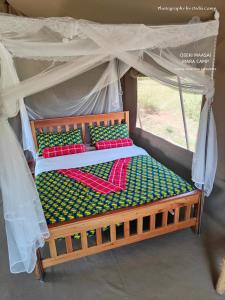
82	122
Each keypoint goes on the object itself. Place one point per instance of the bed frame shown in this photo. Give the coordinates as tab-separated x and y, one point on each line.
185	209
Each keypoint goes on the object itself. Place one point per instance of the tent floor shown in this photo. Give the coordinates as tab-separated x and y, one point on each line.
166	267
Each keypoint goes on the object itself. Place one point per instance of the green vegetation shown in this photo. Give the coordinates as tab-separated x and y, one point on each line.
160	112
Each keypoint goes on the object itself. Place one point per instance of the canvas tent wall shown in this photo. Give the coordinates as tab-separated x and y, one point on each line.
71	48
147	12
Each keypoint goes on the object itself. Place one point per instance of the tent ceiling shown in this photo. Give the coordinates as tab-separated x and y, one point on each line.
142	11
126	11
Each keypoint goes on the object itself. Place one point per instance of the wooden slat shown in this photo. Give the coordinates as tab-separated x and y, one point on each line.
188	212
176	215
59	128
165	218
152	222
113	233
127	118
195	210
126	229
52	248
84	241
98	236
140	225
69	245
67	127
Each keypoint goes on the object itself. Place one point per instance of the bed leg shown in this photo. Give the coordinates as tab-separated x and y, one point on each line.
220	287
200	212
39	270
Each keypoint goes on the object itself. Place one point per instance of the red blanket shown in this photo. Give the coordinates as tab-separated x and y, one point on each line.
115	183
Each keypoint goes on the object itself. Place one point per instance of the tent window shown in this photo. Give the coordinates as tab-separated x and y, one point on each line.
161	112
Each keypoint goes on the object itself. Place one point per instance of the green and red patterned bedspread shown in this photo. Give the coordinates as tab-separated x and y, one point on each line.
65	199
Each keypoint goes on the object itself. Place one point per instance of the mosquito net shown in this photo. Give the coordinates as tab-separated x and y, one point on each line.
62	66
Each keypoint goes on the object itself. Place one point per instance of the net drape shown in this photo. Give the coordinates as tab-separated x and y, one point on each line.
69	51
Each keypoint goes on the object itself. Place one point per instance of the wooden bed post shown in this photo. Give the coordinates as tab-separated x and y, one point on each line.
197	212
220	288
39	270
200	212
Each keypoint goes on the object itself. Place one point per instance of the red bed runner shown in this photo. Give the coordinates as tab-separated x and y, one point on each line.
115	183
118	174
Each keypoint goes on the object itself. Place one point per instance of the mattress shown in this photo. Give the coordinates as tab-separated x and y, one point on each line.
65	199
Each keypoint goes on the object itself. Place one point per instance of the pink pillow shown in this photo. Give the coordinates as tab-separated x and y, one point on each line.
63	150
114	143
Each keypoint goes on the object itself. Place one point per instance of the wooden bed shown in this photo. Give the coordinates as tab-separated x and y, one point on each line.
189	204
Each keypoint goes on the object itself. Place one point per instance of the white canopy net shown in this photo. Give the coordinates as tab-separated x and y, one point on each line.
61	66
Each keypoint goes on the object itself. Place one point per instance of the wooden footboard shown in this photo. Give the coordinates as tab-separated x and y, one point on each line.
137	223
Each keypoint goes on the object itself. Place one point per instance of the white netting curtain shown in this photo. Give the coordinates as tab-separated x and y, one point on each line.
47	61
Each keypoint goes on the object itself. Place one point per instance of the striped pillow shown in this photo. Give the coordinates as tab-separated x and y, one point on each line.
105	133
63	150
114	143
50	139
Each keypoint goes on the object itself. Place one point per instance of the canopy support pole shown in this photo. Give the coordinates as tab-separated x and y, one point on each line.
119	81
203	194
183	113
